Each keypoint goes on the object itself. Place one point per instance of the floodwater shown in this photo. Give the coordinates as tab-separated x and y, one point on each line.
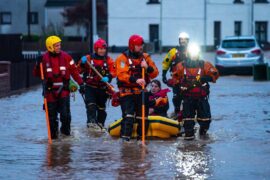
238	146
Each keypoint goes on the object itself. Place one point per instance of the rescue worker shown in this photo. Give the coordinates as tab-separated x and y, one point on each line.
194	76
58	66
175	56
96	90
158	100
130	82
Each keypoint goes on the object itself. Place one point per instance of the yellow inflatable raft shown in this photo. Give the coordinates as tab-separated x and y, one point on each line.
158	127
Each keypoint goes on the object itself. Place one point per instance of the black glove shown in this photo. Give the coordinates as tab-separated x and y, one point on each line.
38	60
205	79
49	84
82	89
164	78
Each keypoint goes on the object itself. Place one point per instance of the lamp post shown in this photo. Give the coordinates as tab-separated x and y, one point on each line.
28	19
94	20
160	28
252	17
205	25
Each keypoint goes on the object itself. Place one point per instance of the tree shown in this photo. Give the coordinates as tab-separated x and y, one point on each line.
79	15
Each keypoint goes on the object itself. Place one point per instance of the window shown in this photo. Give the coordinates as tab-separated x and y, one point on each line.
238	2
261	31
5	18
237	28
261	1
33	18
153	2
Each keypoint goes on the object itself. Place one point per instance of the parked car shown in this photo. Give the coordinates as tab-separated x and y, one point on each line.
238	53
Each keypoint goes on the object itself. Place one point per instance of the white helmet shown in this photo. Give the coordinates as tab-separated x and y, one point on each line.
183	35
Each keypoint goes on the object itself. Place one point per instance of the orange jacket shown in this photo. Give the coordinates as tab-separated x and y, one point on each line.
207	69
104	66
128	70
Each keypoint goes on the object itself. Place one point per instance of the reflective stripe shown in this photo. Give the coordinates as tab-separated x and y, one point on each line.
199	72
130	61
101	108
49	69
139	117
58	84
203	119
189	119
130	115
71	62
62	68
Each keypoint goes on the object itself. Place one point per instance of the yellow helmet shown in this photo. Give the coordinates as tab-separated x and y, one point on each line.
50	41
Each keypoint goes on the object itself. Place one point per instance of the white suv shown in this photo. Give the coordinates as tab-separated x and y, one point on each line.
238	52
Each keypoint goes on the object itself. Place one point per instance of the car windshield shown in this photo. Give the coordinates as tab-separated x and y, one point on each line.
242	43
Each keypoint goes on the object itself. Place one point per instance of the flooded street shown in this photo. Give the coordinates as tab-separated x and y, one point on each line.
238	146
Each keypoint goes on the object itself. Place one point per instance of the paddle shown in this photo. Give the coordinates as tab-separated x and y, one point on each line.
143	109
45	104
96	71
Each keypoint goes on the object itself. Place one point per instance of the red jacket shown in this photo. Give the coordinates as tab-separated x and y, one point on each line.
104	65
57	70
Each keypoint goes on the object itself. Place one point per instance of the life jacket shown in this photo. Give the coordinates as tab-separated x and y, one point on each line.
180	56
191	85
92	78
135	70
60	79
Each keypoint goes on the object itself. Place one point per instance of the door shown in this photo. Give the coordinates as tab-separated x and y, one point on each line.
217	33
154	35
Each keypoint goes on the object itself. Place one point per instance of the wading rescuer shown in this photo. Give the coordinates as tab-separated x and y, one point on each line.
58	67
97	91
194	76
129	68
175	56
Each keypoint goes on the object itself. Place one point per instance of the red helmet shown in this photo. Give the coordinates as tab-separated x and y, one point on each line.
100	43
135	40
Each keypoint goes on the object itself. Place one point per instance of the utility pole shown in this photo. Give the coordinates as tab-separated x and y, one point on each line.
205	25
160	28
252	17
94	20
28	19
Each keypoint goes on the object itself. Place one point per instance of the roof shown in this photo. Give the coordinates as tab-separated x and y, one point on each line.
238	37
61	3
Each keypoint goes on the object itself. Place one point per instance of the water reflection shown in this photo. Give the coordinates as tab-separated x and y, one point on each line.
59	155
133	162
192	160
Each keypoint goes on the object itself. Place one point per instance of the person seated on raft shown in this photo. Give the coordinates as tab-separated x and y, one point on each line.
158	100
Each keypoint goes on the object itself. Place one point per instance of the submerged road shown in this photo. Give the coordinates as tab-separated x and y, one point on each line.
238	146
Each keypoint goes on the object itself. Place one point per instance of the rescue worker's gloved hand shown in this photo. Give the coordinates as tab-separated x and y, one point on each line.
49	84
141	82
171	82
82	89
38	61
205	79
105	79
84	59
164	78
144	64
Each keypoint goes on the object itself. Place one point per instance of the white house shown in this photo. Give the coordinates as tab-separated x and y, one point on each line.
207	21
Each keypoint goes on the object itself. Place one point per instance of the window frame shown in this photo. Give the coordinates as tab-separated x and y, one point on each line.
258	32
30	20
2	14
237	28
